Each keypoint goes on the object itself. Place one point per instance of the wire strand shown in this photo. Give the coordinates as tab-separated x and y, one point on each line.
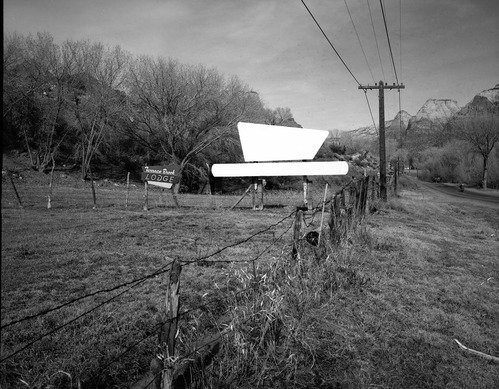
65	304
370	111
376	40
330	44
388	38
358	39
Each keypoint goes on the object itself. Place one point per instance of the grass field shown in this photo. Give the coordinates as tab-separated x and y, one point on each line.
382	311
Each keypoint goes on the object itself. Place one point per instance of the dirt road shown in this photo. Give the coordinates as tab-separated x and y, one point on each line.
471	196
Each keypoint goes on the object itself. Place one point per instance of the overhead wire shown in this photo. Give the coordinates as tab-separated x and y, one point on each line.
370	110
376	40
358	39
330	44
400	66
341	59
388	38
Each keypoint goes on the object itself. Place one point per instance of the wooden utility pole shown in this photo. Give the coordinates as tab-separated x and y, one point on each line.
382	150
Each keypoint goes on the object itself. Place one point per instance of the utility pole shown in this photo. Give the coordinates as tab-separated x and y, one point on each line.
382	149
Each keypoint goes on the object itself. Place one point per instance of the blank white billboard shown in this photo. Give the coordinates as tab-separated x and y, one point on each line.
263	142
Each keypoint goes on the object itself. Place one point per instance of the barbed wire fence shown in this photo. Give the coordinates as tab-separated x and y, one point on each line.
348	207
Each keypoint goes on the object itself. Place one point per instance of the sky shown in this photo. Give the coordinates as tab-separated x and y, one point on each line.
442	49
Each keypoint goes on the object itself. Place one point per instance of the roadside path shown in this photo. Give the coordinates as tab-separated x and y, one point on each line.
478	197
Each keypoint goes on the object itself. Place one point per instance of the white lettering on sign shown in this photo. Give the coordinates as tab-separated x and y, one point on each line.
262	142
276	169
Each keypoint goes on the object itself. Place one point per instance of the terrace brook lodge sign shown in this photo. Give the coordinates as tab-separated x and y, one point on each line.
163	176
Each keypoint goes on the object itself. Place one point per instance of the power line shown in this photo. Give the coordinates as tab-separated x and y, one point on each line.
388	38
330	44
376	40
370	111
400	65
358	39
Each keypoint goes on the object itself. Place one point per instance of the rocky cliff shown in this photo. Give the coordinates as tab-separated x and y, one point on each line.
432	116
485	101
430	119
398	126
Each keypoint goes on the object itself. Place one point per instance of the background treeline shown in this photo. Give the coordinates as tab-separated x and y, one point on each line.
90	107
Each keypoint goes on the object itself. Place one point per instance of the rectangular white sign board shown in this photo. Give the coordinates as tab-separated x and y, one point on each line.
275	169
160	184
262	142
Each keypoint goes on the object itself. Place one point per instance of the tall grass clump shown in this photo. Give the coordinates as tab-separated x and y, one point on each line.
280	329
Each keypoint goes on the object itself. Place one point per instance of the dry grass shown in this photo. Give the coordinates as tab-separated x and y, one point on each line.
379	312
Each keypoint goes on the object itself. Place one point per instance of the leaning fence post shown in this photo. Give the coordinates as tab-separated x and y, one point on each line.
9	173
168	331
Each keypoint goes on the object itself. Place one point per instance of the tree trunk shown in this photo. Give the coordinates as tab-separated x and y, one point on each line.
485	171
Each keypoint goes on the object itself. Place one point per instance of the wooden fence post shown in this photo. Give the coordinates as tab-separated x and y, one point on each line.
168	331
322	215
49	197
334	221
253	192
365	193
146	196
242	197
395	177
297	233
127	188
9	173
307	195
94	197
260	194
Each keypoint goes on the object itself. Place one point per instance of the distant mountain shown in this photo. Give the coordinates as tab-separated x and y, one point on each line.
425	128
398	126
432	116
485	101
491	94
392	128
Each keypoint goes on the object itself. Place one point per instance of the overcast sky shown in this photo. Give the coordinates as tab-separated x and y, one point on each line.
450	48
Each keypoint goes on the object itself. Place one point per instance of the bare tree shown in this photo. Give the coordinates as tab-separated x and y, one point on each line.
481	130
98	103
179	111
47	75
280	117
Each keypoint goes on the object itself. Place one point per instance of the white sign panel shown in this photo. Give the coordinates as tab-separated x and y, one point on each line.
274	169
161	184
262	142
